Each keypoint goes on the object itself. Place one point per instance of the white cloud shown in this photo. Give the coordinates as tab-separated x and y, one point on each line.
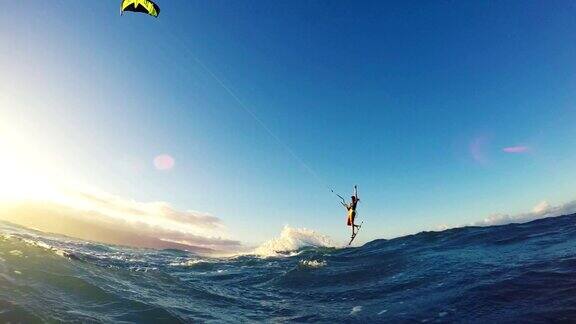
442	227
541	207
542	210
156	213
99	216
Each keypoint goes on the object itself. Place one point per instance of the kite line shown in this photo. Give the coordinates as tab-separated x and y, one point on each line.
251	113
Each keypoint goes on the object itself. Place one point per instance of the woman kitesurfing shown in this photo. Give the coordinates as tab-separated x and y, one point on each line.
351	209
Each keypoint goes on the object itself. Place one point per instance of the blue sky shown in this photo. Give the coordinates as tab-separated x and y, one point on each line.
413	101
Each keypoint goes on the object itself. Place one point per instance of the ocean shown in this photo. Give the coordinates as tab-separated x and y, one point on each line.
506	274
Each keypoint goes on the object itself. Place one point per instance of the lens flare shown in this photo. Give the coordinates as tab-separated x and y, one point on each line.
516	149
164	162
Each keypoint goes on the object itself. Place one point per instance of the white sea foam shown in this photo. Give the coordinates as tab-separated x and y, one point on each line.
47	247
355	310
188	263
291	240
17	253
312	263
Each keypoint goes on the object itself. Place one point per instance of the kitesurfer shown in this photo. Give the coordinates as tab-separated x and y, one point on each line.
351	208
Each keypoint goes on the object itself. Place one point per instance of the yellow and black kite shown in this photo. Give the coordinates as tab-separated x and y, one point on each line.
144	6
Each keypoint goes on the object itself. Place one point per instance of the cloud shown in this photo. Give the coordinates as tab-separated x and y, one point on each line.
516	149
543	206
147	211
99	216
442	227
542	210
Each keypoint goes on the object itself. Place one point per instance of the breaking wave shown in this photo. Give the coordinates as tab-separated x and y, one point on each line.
292	240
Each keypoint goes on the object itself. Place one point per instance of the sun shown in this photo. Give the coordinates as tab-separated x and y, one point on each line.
24	174
19	183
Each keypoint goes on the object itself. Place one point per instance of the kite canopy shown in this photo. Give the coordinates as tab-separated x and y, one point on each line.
144	6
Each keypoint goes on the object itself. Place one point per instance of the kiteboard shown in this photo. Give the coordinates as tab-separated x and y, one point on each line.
357	230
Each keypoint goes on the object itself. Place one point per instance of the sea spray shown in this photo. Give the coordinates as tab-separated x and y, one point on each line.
291	240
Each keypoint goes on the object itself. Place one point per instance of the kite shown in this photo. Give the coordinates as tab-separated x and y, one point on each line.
144	6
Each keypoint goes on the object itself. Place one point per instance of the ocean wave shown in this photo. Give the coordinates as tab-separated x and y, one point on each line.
37	244
460	275
291	240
